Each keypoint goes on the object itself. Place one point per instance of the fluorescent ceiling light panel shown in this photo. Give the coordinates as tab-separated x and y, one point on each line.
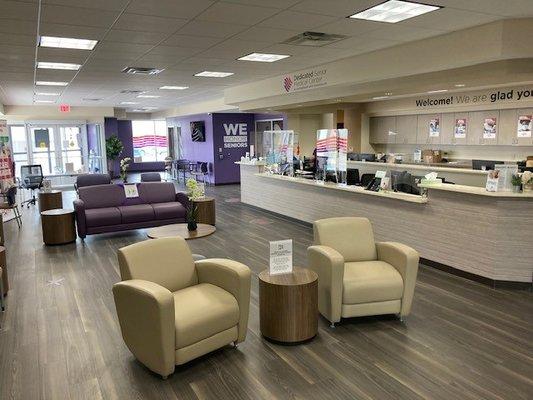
380	97
44	101
393	11
50	83
214	74
263	57
148	96
67	43
174	87
46	94
128	102
438	91
54	65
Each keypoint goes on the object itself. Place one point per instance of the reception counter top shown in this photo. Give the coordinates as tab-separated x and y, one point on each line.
463	229
421	167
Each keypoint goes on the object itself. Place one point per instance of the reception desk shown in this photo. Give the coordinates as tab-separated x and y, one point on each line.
467	230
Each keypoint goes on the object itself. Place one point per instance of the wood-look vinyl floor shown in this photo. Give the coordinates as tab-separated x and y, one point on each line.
60	337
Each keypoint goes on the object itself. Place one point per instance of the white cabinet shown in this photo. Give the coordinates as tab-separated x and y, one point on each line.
406	128
422	136
477	122
382	130
509	127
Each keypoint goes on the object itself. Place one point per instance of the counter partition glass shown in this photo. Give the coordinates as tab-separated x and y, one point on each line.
331	153
278	150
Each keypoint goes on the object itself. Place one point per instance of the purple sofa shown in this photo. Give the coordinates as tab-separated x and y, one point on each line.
105	208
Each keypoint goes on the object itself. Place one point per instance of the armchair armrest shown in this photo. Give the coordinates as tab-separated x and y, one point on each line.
405	259
146	315
328	263
79	209
182	198
233	277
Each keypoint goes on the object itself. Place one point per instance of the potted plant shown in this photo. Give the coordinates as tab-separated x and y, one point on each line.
516	181
527	181
194	192
124	165
113	149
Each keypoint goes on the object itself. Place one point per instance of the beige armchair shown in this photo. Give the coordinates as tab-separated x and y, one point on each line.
172	309
357	276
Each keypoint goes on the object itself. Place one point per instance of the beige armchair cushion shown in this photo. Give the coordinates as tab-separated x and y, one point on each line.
167	262
202	311
352	237
371	281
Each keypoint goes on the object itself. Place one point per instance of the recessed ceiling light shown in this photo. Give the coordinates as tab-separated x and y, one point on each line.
54	65
46	94
174	87
460	85
393	11
263	57
388	94
44	101
380	97
50	83
150	108
67	43
214	74
148	96
128	102
437	91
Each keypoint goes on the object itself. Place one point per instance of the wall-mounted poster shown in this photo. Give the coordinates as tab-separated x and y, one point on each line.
42	138
489	128
460	128
198	131
434	127
524	126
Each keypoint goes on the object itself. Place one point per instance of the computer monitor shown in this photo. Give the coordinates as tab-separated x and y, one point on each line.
406	183
485	165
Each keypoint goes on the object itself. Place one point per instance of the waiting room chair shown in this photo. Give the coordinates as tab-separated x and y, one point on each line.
31	178
150	177
202	169
84	180
11	204
175	309
357	276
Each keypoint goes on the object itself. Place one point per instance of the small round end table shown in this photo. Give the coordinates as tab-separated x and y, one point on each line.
288	305
50	200
206	210
58	226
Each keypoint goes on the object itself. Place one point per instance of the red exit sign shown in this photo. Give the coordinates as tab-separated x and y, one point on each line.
65	108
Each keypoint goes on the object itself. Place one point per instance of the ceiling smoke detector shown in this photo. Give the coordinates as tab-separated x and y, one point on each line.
142	71
315	39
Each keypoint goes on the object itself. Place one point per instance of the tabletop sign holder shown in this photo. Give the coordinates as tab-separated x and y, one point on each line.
280	257
130	190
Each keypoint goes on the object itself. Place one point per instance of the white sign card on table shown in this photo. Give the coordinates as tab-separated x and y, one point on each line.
130	190
524	126
280	257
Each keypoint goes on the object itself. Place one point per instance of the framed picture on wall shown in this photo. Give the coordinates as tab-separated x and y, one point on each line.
460	128
524	126
489	128
198	131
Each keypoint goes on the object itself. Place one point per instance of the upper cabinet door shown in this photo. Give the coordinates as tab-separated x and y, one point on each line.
514	127
484	128
406	127
428	126
382	130
446	128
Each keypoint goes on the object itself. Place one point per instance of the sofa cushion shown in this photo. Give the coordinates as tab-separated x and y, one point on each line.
156	192
137	213
202	311
371	281
101	196
102	216
169	210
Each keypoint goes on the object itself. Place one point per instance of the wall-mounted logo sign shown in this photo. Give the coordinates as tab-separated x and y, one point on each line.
466	99
310	79
235	135
64	108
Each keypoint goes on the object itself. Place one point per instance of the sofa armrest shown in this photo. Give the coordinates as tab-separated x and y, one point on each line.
79	209
405	259
328	263
233	277
146	314
182	198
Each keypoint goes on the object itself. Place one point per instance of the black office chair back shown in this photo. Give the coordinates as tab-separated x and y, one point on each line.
352	176
11	196
150	177
366	179
31	176
203	167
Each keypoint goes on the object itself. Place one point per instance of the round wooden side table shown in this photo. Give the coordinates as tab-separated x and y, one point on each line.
3	264
206	210
50	200
181	230
288	305
58	226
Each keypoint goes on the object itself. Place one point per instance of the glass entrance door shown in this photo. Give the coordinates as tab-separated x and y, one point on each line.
71	149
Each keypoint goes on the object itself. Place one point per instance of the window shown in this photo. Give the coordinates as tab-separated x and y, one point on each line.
150	141
20	146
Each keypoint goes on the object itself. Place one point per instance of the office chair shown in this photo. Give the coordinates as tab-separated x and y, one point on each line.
366	179
31	178
202	170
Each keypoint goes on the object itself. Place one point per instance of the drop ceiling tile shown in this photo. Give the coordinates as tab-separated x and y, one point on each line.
508	8
174	51
14	51
18	27
200	42
281	4
449	19
297	20
131	48
110	5
403	33
19	10
337	8
62	55
211	29
158	60
233	13
148	23
267	35
288	49
18	40
349	27
169	8
77	16
122	36
72	31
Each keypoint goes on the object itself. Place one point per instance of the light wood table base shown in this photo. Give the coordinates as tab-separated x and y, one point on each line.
288	305
181	230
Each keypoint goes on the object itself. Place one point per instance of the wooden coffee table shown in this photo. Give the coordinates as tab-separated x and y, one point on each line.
58	226
181	230
288	305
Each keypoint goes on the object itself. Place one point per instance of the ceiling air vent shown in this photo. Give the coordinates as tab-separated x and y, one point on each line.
316	39
142	71
131	91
